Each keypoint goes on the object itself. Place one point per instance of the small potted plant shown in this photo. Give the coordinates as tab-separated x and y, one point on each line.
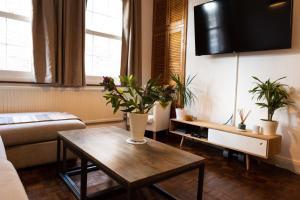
271	95
184	94
136	100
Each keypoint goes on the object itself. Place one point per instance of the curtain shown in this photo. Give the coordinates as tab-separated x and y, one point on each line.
131	39
58	28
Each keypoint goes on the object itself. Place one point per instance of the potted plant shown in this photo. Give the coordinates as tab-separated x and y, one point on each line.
135	100
271	95
184	94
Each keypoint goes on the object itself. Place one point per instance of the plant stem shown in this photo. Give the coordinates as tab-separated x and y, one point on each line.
270	114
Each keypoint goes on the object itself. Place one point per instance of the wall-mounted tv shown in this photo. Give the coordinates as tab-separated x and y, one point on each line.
225	26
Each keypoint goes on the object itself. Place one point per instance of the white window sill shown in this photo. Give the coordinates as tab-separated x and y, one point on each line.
16	76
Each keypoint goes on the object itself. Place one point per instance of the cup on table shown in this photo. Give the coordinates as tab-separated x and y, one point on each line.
256	129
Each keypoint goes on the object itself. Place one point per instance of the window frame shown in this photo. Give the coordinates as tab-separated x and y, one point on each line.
95	80
16	76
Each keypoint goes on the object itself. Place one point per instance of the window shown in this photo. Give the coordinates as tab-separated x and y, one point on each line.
103	39
16	57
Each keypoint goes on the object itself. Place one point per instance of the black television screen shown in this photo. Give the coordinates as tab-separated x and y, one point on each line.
224	26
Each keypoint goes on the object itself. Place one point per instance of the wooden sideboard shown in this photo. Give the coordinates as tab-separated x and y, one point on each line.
229	137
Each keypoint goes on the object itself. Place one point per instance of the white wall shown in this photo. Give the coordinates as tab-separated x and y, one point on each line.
215	86
147	16
215	80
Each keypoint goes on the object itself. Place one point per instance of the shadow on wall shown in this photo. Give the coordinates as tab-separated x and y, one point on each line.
204	102
291	130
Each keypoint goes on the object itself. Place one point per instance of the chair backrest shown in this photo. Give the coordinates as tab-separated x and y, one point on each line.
161	117
160	110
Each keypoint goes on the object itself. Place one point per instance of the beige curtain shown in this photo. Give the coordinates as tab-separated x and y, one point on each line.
131	39
58	29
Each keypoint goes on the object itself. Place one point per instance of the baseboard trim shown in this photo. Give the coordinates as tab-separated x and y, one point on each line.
286	163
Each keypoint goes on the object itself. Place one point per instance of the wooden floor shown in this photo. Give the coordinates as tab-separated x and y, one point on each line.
224	179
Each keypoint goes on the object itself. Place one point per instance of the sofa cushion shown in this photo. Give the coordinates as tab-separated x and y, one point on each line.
29	117
10	184
2	151
28	133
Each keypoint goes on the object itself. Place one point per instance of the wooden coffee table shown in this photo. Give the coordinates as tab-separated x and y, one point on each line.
131	166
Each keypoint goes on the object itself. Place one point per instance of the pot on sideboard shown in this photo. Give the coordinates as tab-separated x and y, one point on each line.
180	113
268	127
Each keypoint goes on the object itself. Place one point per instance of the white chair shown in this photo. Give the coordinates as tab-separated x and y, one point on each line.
158	119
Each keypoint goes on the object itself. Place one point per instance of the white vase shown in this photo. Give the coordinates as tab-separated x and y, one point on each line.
268	127
180	113
138	123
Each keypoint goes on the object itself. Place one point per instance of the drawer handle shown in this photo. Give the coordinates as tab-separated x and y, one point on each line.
260	143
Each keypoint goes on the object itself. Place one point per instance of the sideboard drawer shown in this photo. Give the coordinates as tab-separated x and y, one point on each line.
241	143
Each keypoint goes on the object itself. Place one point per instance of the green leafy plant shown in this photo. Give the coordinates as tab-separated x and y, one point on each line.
271	95
129	97
184	94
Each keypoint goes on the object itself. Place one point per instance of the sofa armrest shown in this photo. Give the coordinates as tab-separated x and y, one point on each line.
11	185
2	150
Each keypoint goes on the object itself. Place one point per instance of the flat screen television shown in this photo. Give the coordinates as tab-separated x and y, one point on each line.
225	26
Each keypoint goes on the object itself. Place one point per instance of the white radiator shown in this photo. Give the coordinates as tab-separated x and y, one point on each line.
87	103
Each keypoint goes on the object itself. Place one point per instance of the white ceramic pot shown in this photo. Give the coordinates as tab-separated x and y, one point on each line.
268	127
138	123
180	113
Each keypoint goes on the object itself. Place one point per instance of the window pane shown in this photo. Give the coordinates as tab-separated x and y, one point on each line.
19	33
103	54
89	65
19	7
2	30
3	5
89	44
15	36
105	58
105	16
18	59
2	57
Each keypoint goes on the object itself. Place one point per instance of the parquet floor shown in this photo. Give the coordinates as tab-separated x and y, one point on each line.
224	180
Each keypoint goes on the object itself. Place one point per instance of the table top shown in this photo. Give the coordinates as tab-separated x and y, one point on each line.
107	147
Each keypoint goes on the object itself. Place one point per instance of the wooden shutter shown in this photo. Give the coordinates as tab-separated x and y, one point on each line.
175	54
159	16
158	55
177	12
169	32
159	38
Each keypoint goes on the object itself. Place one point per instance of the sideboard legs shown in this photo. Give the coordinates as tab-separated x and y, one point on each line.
181	142
247	162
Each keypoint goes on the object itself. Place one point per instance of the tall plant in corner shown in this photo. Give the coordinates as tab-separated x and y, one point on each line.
271	95
184	94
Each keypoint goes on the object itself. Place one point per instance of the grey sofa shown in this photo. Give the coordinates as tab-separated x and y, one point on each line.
34	143
11	187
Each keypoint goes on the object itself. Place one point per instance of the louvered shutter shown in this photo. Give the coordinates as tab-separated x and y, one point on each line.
169	32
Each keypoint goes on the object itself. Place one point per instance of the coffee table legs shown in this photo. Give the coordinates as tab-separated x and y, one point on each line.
83	184
129	194
64	167
200	182
58	154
